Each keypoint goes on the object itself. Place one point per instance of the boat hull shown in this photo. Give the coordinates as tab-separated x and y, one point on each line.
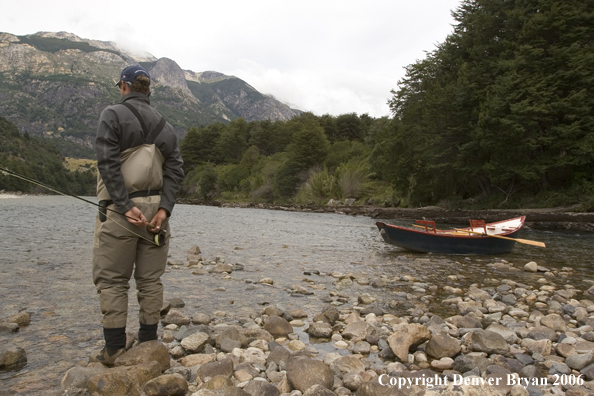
446	243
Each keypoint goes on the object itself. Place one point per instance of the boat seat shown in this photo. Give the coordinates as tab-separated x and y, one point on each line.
428	223
478	224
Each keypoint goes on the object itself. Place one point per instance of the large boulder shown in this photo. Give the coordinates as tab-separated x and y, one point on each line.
123	380
303	373
150	351
406	337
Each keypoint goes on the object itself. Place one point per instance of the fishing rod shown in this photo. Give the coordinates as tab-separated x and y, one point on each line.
158	240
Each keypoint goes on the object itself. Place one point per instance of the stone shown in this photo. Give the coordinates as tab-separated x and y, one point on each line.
489	342
319	390
195	342
445	363
348	364
150	351
304	372
509	335
406	337
531	267
261	388
222	267
166	385
279	355
320	330
222	368
9	327
254	356
542	333
12	356
278	326
21	318
442	345
201	319
579	361
465	363
77	377
217	382
123	380
542	347
465	322
176	317
555	322
197	358
358	329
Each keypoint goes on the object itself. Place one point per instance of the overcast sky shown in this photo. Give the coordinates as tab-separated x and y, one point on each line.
323	56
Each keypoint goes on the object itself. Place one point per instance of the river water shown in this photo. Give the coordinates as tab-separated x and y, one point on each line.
45	269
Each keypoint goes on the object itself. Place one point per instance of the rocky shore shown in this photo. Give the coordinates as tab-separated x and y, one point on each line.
502	337
544	219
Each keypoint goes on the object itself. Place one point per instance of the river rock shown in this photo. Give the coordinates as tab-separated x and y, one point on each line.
579	361
77	377
201	319
348	364
304	372
465	322
278	326
531	267
508	335
489	342
21	318
150	351
542	333
555	322
406	337
9	328
261	388
442	345
374	388
166	385
123	380
465	363
195	342
197	358
320	330
219	368
360	329
221	267
230	334
279	356
176	317
319	390
11	355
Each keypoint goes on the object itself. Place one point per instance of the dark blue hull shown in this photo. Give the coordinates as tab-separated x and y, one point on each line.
425	242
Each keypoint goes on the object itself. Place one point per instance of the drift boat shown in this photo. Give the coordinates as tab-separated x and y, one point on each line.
479	238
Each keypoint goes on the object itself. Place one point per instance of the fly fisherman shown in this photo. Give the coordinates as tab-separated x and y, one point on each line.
140	172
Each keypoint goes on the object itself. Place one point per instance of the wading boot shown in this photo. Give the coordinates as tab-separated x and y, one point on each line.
106	356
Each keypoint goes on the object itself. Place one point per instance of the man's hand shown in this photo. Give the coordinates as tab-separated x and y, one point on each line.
135	216
157	220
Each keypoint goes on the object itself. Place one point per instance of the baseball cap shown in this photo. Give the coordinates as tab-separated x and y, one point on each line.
130	73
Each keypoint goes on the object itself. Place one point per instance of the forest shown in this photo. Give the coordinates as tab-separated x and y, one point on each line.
499	115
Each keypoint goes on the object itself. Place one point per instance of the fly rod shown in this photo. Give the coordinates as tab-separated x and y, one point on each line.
159	237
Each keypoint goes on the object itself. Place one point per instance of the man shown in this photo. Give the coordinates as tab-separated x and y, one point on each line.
140	172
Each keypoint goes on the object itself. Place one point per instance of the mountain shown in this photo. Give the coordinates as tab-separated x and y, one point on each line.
56	85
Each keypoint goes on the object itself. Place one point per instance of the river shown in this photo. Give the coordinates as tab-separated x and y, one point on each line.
45	269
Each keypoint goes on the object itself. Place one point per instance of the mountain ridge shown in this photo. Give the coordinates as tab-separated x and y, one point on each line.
55	84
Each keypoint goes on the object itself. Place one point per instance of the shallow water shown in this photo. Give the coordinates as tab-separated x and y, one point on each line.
45	269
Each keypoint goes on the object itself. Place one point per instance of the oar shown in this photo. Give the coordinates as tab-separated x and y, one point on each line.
526	241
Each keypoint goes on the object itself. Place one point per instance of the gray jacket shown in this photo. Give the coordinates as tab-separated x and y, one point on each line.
120	130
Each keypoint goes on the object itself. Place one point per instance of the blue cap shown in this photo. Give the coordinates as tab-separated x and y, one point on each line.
130	73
